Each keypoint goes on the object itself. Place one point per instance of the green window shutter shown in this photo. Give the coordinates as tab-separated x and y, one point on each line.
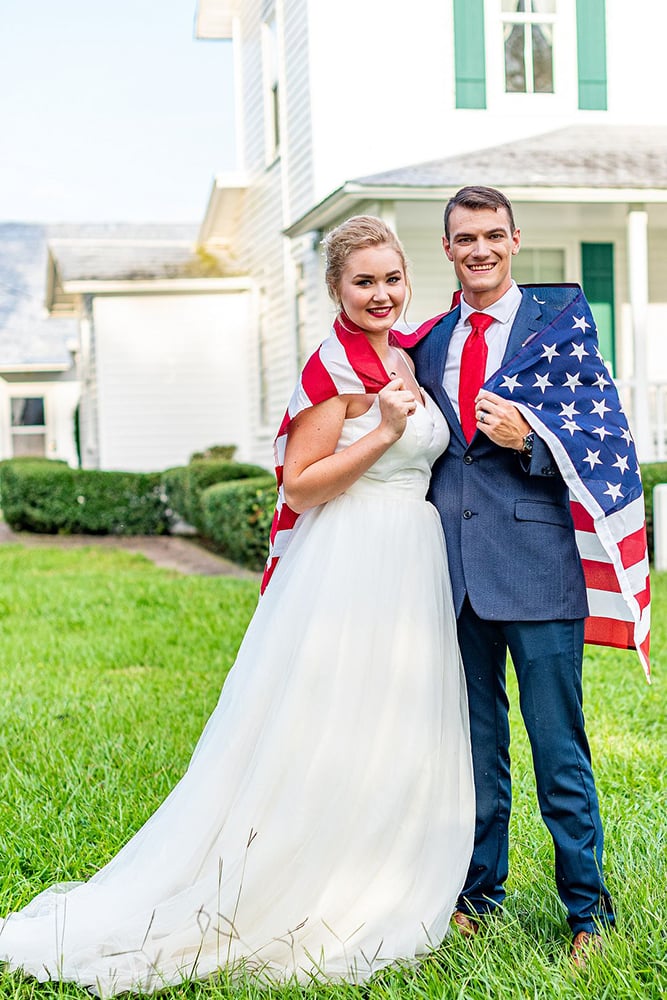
592	54
597	274
469	54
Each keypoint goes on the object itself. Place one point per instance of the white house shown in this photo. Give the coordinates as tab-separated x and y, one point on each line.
158	359
390	108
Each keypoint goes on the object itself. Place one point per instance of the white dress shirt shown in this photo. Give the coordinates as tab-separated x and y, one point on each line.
503	312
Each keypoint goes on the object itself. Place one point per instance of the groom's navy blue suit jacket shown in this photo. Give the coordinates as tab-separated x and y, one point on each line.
510	537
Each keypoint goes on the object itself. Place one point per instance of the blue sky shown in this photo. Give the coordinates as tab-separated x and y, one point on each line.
110	110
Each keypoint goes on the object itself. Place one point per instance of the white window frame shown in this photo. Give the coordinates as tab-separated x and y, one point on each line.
272	87
27	430
564	98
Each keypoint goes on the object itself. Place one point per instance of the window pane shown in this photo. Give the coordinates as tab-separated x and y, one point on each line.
28	411
32	445
534	266
515	67
543	60
529	6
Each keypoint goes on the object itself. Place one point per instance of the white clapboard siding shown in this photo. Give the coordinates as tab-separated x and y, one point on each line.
381	81
172	375
297	110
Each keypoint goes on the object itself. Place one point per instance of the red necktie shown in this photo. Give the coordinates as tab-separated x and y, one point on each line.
473	370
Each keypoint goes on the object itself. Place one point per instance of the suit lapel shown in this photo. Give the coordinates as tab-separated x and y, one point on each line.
526	322
437	344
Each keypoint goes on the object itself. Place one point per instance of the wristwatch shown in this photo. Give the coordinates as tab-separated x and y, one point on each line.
527	448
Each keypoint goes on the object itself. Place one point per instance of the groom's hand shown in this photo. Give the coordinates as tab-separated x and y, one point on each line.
500	420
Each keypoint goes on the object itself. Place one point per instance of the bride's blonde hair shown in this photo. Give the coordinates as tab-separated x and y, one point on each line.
358	233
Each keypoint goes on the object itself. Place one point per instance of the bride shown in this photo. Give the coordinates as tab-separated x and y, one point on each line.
324	825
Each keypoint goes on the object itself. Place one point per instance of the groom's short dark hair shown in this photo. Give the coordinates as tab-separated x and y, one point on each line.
475	197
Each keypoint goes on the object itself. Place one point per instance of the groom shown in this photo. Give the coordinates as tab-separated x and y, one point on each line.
516	573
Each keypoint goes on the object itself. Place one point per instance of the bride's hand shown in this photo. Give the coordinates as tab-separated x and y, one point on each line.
396	404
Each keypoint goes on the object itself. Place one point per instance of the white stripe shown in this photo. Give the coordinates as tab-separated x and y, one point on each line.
625	522
590	547
336	361
605	604
280	542
638	576
279	449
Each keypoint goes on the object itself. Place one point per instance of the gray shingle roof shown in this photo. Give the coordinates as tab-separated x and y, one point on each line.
604	156
129	253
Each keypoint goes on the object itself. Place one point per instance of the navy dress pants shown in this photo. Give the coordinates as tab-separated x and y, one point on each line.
547	657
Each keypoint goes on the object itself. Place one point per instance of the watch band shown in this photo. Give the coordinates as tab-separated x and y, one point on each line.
528	440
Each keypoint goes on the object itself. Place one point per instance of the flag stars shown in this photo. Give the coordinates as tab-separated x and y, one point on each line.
600	407
593	458
510	382
626	435
568	410
581	324
541	382
601	432
600	381
621	463
572	381
579	350
571	426
613	491
550	352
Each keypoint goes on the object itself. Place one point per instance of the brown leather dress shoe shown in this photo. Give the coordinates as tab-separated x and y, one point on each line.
464	924
584	945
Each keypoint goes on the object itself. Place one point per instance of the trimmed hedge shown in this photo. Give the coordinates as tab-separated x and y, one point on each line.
51	498
184	486
237	518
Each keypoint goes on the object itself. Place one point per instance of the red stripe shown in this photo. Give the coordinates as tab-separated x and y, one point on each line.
600	576
645	646
316	380
268	573
644	596
582	519
633	547
364	361
609	632
410	339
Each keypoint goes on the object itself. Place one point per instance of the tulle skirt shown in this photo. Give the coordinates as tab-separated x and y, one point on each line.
324	826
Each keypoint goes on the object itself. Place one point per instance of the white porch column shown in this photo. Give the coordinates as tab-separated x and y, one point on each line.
638	285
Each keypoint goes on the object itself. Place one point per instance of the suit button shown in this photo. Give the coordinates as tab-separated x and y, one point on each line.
468	459
467	514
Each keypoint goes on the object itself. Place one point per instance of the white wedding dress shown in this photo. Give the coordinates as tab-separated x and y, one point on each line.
324	826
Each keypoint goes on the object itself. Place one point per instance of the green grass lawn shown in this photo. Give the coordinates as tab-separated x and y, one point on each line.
109	668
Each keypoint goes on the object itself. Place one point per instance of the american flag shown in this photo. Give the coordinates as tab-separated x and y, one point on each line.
560	383
344	363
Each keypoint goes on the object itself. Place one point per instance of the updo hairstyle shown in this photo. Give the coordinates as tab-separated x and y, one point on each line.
357	233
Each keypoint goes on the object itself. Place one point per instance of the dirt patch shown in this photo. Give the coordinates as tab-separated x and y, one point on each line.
184	555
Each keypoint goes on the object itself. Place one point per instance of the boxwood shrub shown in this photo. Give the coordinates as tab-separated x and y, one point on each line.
183	486
237	518
51	498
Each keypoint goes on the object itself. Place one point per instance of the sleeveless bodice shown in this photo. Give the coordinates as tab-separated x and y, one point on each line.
405	468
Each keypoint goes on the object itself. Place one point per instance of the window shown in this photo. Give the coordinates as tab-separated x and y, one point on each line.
300	316
271	89
262	363
528	30
537	266
28	426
